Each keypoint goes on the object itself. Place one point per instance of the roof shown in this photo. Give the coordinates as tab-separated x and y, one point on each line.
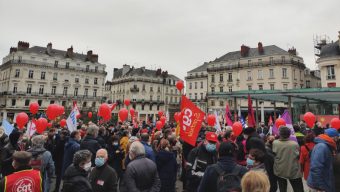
330	50
140	72
253	52
54	52
200	68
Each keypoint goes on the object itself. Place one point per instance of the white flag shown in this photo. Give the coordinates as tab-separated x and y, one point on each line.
31	128
72	120
217	124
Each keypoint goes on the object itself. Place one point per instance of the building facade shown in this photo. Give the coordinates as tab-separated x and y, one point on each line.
148	90
329	63
46	75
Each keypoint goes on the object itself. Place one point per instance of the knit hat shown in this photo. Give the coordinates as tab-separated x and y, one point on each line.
332	132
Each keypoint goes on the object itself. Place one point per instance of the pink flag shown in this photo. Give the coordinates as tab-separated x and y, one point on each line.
228	116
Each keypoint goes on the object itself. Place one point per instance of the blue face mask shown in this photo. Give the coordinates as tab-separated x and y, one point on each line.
250	162
210	147
99	161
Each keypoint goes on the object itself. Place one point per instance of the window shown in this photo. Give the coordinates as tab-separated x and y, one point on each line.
249	62
221	89
75	91
54	88
201	96
87	68
272	87
260	74
151	89
93	104
143	88
29	88
167	89
212	103
190	95
249	75
67	65
76	80
43	75
17	73
150	107
230	102
84	104
271	60
260	61
27	102
158	98
230	77
283	59
285	86
30	74
284	72
250	87
41	89
271	73
166	100
213	89
94	92
230	88
86	81
151	97
213	78
56	64
55	76
40	102
221	77
15	87
294	74
96	69
308	84
86	91
201	84
221	103
19	59
190	85
260	87
159	89
65	91
195	85
13	102
330	72
95	81
52	102
142	107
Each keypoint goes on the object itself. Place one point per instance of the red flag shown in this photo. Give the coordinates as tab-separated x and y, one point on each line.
251	118
270	122
191	121
228	116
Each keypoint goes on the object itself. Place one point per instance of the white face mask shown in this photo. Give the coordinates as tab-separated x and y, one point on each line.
87	166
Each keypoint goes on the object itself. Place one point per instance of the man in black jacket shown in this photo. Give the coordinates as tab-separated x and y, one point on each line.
103	178
89	142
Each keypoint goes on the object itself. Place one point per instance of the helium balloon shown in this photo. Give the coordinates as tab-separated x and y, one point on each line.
179	85
34	108
237	128
211	120
89	114
41	125
127	102
52	111
163	120
62	123
160	113
310	119
123	114
132	112
159	125
21	120
280	122
335	123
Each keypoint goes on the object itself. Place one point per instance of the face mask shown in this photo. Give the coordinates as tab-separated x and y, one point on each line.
99	161
115	144
210	147
87	166
250	162
13	164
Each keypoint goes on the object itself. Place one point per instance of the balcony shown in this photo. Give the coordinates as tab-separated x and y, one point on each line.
196	77
134	89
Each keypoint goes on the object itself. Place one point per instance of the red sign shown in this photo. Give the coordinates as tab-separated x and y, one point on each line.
191	121
323	119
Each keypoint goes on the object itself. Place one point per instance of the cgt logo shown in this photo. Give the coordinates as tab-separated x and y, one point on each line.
187	118
25	184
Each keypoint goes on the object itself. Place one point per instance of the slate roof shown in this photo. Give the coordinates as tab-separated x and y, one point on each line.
253	52
200	68
54	52
140	72
330	50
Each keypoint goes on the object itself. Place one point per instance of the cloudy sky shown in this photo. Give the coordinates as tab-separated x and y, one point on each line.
176	35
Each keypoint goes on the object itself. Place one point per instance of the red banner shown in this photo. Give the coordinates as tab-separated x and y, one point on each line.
191	121
323	119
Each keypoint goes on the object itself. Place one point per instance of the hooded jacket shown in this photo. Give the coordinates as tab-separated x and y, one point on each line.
75	180
90	143
167	169
321	166
71	147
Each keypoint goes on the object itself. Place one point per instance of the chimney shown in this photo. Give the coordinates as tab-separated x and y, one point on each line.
143	69
244	51
114	71
89	55
159	71
95	58
49	48
22	46
260	48
126	69
12	50
292	51
69	52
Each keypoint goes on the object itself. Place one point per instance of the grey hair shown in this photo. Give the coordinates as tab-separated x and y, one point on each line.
92	130
137	148
38	141
81	156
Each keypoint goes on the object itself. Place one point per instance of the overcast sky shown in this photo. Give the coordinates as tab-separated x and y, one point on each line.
176	35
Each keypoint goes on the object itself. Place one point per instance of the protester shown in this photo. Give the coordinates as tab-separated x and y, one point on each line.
24	176
226	165
255	181
141	173
89	142
286	164
299	135
75	177
321	176
59	157
71	147
318	130
305	154
103	178
255	160
42	161
263	130
116	155
149	153
167	167
199	159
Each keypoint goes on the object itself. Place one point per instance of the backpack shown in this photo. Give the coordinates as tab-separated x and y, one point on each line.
228	182
37	162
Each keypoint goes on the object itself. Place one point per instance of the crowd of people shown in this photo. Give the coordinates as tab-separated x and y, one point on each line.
122	158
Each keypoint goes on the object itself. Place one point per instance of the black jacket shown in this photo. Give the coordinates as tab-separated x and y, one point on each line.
141	175
167	170
91	144
103	179
75	180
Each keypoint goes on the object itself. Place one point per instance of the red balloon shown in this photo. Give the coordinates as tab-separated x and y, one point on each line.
89	114
335	123
34	108
113	106
104	111
159	125
180	85
176	116
62	123
49	125
280	122
21	120
41	125
127	102
78	116
310	119
211	120
132	112
52	111
61	110
237	128
160	113
123	114
163	119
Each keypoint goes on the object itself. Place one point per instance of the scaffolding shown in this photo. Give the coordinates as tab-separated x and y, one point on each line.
319	42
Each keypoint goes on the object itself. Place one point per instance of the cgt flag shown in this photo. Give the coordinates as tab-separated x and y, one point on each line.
251	118
191	121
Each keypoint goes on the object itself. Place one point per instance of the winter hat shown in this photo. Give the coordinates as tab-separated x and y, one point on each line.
284	132
332	132
38	141
226	149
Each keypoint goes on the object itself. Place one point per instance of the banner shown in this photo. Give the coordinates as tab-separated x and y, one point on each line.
72	119
251	118
217	124
8	128
31	128
229	122
191	121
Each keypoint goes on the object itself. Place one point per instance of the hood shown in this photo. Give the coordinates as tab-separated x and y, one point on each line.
70	142
73	171
323	138
35	150
164	156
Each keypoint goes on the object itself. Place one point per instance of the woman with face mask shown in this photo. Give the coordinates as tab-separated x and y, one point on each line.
116	155
255	160
75	178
